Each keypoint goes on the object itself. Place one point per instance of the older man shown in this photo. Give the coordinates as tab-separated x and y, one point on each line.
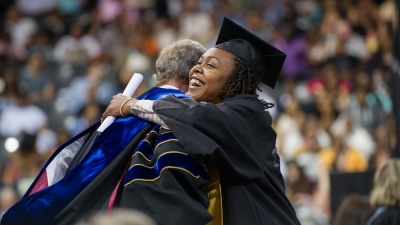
93	180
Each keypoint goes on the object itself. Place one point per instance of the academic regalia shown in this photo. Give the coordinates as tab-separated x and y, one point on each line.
237	137
63	195
160	177
165	183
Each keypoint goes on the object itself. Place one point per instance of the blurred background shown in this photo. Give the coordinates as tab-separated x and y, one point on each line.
336	102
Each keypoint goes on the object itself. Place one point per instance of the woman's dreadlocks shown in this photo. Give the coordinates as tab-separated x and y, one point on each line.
242	81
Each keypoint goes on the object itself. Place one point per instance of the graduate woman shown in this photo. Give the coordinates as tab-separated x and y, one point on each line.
226	127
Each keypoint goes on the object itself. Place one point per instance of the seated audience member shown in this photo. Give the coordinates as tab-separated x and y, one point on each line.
385	195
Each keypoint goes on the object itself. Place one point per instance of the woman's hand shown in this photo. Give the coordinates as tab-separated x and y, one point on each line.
119	107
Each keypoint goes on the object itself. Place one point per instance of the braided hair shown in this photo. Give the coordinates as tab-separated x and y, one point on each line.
242	81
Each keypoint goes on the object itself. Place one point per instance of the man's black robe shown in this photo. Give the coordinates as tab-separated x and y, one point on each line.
174	197
237	137
165	183
162	181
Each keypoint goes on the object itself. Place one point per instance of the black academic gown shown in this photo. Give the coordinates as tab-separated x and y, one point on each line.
161	181
237	137
149	172
165	183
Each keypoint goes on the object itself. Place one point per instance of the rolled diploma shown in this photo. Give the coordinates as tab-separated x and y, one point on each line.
129	91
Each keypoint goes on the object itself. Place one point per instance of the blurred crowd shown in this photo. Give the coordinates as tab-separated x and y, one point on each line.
61	61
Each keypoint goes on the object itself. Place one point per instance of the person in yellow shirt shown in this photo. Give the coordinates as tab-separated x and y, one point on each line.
341	157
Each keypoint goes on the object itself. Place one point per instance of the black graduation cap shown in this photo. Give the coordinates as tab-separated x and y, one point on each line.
265	59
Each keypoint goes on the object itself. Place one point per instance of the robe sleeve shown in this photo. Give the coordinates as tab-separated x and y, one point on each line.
221	134
144	110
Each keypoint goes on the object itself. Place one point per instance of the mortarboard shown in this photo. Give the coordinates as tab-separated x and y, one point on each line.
266	60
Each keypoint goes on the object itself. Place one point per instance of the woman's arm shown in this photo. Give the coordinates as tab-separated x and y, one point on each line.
123	106
144	110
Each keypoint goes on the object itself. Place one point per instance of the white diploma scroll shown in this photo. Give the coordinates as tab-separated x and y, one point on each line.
129	91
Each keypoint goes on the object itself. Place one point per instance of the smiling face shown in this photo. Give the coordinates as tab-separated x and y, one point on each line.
208	78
